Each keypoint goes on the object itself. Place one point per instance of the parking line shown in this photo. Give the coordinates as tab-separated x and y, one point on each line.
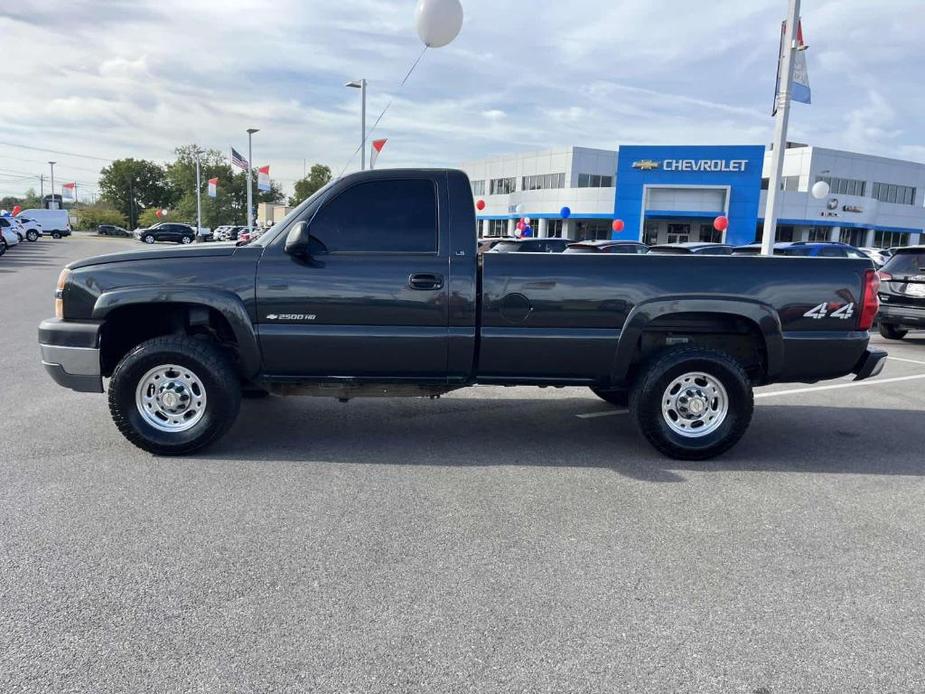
908	361
853	384
792	391
605	413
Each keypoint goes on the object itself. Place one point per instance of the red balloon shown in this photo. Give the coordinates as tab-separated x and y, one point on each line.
157	213
721	223
17	209
618	225
521	226
480	205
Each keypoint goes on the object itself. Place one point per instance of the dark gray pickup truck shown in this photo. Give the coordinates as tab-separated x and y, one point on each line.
374	287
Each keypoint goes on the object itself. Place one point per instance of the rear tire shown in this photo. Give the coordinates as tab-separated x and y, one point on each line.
186	240
32	235
144	377
2	246
892	332
56	235
617	398
692	403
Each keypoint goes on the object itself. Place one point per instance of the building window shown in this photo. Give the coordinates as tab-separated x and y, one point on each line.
478	187
818	234
784	234
594	181
543	182
679	233
890	239
502	186
497	227
593	230
553	228
790	184
888	192
844	186
650	234
853	237
708	234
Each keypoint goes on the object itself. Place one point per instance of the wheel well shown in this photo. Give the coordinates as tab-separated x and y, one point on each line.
737	336
128	326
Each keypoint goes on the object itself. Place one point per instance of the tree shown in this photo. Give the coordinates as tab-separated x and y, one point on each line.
318	177
133	184
30	200
91	216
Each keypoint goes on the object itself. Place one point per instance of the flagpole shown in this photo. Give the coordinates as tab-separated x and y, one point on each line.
782	119
198	198
250	164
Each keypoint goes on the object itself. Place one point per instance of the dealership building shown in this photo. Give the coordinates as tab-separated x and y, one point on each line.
670	194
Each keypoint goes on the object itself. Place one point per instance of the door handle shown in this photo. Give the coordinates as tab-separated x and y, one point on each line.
425	281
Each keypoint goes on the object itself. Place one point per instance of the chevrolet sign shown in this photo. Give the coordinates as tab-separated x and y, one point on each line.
646	164
710	165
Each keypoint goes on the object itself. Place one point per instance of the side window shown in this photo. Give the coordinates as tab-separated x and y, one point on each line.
380	217
832	252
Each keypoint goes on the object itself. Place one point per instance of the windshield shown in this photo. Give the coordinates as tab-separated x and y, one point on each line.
580	249
906	263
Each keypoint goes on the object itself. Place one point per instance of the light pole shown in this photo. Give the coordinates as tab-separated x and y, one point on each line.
782	118
53	203
250	166
361	85
197	152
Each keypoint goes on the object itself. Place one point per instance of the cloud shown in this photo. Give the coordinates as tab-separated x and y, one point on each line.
137	78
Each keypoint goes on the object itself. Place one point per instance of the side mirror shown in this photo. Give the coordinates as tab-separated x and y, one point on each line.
297	240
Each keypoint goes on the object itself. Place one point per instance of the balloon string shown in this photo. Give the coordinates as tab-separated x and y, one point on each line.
387	106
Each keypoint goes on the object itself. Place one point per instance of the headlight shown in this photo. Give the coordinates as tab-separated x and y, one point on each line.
59	293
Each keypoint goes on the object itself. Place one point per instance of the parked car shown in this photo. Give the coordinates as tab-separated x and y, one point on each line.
327	304
29	229
112	230
902	293
223	232
54	223
810	249
608	246
692	247
167	231
880	256
489	242
8	232
531	246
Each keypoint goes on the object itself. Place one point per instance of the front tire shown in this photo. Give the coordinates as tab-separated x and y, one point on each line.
692	404
148	238
892	332
174	395
186	239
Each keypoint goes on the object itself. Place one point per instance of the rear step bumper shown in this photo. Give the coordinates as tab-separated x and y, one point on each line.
871	364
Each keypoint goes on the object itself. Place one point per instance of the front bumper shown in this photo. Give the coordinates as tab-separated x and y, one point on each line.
870	365
71	354
897	314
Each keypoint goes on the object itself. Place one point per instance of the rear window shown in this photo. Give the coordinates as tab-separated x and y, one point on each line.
906	263
506	247
802	251
669	251
580	249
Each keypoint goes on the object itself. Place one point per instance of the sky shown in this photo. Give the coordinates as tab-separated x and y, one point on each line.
114	78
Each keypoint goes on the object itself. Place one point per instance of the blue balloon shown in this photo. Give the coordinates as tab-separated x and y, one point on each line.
528	230
565	213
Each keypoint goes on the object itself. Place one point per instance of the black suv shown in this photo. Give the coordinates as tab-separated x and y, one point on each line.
902	293
167	231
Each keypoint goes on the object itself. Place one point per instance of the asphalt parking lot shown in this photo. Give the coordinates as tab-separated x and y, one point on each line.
494	540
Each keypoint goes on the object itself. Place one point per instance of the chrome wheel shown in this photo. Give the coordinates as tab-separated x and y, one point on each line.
695	404
149	239
186	239
171	398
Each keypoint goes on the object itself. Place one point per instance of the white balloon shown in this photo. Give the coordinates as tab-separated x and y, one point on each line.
438	21
526	220
164	212
820	190
519	209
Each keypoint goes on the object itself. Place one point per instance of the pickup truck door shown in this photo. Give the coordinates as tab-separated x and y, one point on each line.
371	300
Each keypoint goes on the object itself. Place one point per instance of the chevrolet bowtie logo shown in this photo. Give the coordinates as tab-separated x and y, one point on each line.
646	164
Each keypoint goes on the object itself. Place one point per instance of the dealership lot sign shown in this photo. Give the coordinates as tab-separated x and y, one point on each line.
708	165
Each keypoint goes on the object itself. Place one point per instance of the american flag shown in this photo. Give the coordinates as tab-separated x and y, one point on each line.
238	160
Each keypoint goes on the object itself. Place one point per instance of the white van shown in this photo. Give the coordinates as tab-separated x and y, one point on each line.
55	223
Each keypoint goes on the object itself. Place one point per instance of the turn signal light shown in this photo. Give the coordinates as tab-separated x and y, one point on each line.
870	302
59	293
885	276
